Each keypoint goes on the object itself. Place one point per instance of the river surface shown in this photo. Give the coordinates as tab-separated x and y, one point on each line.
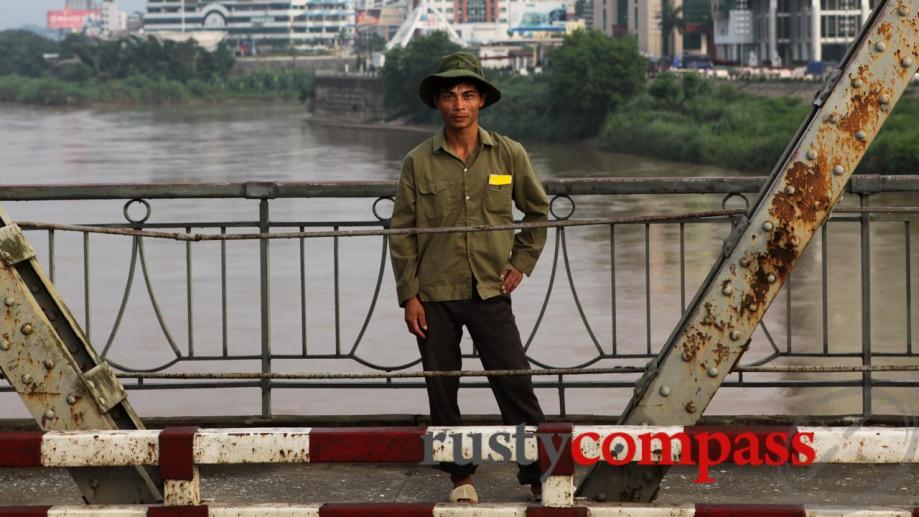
275	142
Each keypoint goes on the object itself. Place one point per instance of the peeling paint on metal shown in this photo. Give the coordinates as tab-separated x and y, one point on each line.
256	445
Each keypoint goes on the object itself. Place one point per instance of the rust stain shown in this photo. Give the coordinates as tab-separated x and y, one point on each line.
863	111
694	341
885	30
721	353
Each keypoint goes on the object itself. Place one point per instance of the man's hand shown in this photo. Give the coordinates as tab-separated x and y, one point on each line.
414	317
510	280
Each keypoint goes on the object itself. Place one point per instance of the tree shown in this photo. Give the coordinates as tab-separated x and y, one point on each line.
406	67
674	91
671	19
590	75
21	53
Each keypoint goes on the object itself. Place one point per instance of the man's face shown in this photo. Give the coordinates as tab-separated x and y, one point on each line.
459	106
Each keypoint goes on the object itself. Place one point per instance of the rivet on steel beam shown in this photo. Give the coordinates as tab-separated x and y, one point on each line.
768	226
833	118
49	414
884	99
770	278
713	372
906	62
91	384
752	307
727	290
9	301
4	345
839	170
790	190
735	335
26	329
794	240
860	135
102	401
811	154
690	407
27	379
664	391
708	319
49	364
71	399
880	46
686	357
745	262
856	83
902	10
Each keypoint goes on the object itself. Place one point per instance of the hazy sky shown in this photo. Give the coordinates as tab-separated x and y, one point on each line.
15	13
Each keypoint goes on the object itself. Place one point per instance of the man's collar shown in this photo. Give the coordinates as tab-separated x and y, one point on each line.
440	141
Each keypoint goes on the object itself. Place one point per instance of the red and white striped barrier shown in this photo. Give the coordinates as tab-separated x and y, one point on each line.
457	510
179	451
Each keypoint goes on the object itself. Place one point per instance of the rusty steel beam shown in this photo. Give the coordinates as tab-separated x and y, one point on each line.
764	246
64	384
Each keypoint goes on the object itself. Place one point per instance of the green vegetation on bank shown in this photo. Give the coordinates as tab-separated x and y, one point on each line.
594	87
688	119
588	76
131	70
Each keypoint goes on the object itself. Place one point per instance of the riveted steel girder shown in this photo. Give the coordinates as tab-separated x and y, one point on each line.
807	182
50	363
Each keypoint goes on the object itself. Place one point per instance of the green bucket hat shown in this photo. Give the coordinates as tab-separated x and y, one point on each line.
461	64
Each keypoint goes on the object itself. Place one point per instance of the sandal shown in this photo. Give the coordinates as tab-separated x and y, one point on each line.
464	493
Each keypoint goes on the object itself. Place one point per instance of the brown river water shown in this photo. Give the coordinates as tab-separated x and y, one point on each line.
275	142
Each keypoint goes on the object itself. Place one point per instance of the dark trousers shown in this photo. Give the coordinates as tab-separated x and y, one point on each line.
496	338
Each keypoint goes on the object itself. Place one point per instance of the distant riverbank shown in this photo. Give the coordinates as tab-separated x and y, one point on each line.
139	90
716	124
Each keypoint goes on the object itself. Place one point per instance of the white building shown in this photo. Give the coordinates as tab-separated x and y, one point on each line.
788	32
292	23
114	21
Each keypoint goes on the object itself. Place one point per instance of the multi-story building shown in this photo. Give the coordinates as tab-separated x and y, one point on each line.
643	20
787	32
639	18
292	23
114	21
81	5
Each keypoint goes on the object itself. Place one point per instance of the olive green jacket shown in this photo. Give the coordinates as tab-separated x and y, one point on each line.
437	189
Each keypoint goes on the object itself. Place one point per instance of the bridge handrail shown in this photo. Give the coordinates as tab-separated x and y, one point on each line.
179	451
860	184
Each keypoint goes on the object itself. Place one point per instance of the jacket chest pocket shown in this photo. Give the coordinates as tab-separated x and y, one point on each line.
498	199
435	201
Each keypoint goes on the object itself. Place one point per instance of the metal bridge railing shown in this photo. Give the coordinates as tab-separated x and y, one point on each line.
611	347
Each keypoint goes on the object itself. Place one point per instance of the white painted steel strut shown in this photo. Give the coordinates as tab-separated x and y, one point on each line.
765	245
51	364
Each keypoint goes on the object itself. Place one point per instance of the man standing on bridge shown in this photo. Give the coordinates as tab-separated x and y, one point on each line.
463	176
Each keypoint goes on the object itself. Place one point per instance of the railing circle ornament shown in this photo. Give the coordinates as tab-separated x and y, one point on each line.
376	204
724	202
127	213
570	209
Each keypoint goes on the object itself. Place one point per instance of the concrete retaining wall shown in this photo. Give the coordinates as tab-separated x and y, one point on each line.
349	98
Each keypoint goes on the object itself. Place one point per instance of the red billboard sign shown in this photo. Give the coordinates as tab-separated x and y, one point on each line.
69	18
